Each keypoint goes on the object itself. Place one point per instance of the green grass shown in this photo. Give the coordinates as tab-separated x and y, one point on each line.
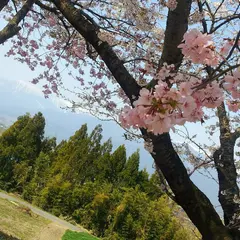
70	235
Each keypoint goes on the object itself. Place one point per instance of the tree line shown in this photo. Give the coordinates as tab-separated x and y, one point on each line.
84	180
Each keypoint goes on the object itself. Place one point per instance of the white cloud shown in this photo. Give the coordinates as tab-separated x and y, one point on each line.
27	87
60	103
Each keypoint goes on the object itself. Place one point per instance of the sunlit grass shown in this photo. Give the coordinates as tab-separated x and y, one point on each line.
70	235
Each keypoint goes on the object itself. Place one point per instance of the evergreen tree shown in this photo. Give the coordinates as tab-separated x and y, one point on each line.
40	178
70	155
83	179
102	164
131	170
116	164
21	142
49	145
22	172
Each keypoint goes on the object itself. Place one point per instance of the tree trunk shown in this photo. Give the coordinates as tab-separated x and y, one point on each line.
12	28
193	201
187	195
227	175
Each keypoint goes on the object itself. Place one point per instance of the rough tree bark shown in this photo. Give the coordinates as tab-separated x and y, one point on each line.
12	28
3	3
227	175
193	201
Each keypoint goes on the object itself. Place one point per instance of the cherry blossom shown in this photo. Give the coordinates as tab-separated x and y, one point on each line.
174	100
199	48
160	109
232	84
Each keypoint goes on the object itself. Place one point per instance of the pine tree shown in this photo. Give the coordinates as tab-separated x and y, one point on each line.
21	142
31	137
116	164
49	145
69	155
102	164
81	178
131	170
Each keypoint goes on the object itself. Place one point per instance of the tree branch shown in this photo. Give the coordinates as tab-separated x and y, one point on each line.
227	20
12	28
3	3
236	134
193	201
230	52
90	32
177	24
204	24
197	206
45	7
199	166
227	175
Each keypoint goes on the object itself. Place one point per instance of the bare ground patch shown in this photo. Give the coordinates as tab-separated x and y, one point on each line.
52	231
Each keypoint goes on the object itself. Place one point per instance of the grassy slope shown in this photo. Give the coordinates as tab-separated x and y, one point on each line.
15	221
21	224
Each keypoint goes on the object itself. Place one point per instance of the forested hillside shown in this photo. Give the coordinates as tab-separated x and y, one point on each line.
83	179
2	128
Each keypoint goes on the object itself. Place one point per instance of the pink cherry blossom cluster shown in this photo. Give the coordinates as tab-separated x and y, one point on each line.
140	35
159	109
226	47
199	48
232	85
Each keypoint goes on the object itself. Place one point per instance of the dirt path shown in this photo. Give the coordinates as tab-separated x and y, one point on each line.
58	222
53	231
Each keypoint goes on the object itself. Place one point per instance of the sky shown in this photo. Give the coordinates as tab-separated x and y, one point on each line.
18	96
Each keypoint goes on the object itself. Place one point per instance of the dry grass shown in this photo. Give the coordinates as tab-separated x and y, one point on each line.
20	222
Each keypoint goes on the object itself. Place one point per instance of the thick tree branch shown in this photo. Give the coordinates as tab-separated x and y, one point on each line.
236	134
90	32
12	27
193	201
177	24
45	7
227	175
197	206
3	3
204	23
